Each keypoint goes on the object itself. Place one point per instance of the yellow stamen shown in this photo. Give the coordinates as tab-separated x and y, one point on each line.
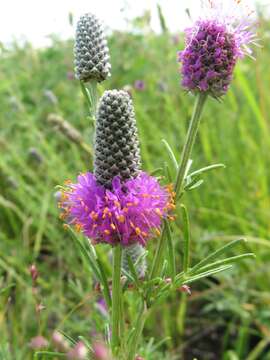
157	210
113	226
78	227
121	218
107	232
93	215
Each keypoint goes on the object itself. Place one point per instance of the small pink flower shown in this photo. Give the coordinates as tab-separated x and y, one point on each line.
60	342
186	289
79	352
101	351
139	85
38	342
33	272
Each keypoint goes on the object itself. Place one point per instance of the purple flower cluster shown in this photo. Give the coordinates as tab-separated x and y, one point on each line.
213	46
127	213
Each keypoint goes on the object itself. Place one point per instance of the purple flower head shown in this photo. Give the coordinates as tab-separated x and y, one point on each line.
129	212
38	343
102	307
79	352
139	85
101	352
213	45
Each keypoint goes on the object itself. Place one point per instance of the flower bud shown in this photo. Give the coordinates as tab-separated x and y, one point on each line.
91	50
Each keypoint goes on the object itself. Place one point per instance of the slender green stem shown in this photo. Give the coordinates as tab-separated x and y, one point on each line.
158	255
116	298
186	230
91	97
192	132
170	249
139	325
94	97
86	94
190	139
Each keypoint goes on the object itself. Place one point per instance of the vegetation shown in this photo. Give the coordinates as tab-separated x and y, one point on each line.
227	316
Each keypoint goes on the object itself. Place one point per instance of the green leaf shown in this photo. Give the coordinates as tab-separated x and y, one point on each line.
195	186
206	169
50	354
190	279
90	256
215	254
170	250
171	154
104	282
5	289
186	233
167	173
229	260
133	271
85	254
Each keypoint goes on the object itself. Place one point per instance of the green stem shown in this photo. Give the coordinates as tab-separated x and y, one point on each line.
186	245
116	298
158	255
91	97
171	251
137	332
86	95
190	140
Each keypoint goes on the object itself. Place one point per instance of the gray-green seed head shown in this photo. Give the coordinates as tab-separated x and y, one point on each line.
116	145
92	60
117	152
134	251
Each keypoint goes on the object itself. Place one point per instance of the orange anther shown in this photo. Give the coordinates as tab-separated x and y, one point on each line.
157	210
78	227
121	218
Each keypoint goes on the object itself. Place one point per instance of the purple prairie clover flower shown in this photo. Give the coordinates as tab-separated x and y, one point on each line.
102	307
79	352
213	45
129	212
38	343
100	351
139	85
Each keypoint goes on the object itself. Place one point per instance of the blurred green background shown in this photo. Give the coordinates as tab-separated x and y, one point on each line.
228	316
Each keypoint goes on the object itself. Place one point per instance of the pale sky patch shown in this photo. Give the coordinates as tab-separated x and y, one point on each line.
34	20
